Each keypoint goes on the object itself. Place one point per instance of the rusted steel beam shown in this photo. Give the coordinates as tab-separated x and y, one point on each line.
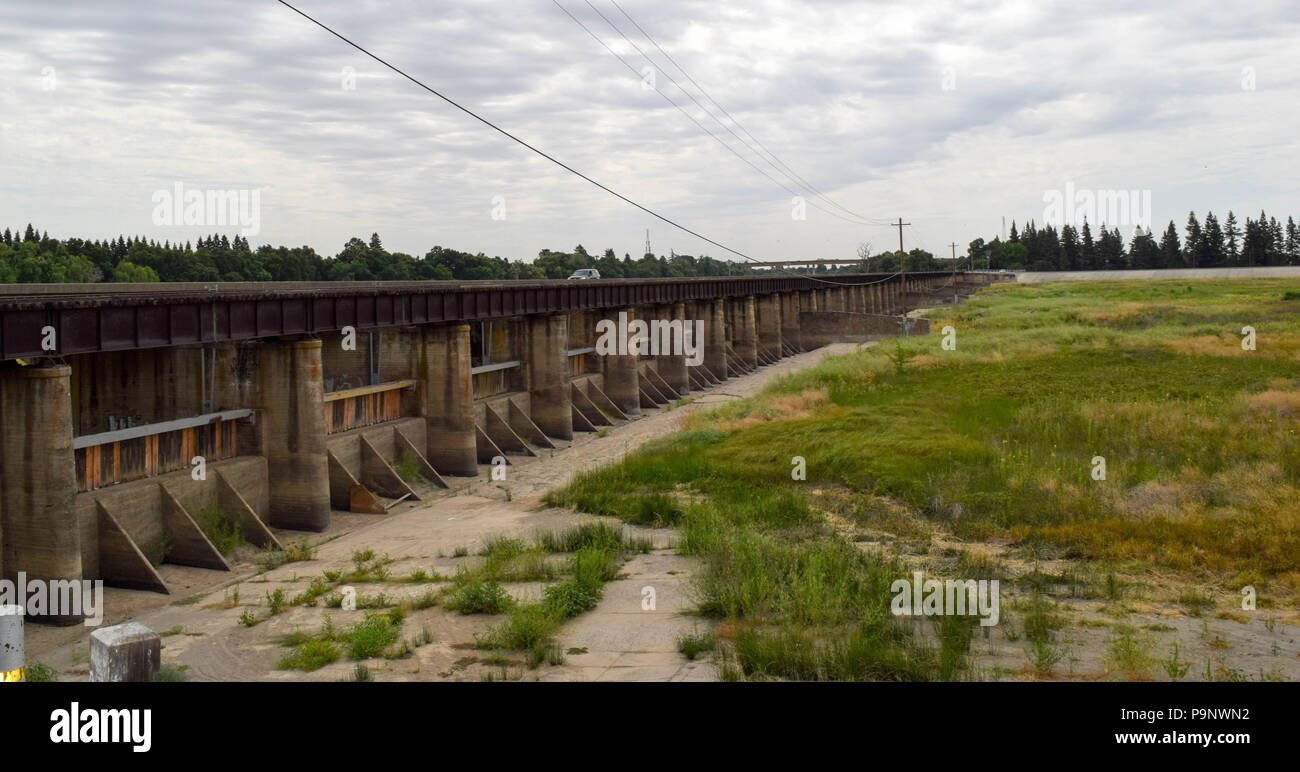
90	318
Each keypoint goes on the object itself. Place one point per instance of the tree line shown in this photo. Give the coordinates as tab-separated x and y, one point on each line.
1203	244
33	256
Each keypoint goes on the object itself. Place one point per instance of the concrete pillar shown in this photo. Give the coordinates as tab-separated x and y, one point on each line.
548	375
291	413
768	318
622	383
715	337
790	318
147	385
745	339
447	399
124	653
672	367
38	525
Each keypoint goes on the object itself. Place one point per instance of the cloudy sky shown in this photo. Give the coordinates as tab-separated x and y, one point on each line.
949	114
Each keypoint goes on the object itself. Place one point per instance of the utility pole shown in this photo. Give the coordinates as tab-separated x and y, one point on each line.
902	268
954	271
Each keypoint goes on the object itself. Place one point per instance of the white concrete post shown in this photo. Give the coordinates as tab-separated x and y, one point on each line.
11	643
126	652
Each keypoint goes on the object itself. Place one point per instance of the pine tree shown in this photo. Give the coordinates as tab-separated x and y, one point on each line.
1070	257
1276	242
1232	232
1213	251
1143	252
8	237
29	234
1110	249
1014	238
1192	243
1292	242
1253	245
1050	249
1171	255
1087	249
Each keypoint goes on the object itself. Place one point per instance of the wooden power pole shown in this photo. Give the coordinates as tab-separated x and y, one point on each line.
902	266
954	271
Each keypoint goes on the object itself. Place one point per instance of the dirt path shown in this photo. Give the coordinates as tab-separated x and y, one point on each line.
621	639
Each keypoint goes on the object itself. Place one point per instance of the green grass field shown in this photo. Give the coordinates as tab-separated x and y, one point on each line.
993	442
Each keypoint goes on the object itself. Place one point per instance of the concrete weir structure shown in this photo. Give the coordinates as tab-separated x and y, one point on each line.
136	419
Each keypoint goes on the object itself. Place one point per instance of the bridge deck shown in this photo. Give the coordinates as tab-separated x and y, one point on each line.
97	317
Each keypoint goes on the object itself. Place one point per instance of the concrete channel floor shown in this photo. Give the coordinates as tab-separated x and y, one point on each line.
620	640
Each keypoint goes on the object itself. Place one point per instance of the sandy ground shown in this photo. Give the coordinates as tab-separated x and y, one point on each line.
621	639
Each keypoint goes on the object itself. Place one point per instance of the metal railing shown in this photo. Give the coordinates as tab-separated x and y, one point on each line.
109	458
493	379
582	360
364	406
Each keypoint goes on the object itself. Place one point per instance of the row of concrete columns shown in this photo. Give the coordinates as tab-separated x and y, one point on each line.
283	380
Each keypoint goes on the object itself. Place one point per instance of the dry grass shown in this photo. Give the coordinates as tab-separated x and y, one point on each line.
1276	403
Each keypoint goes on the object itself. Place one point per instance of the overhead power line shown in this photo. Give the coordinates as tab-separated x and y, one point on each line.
543	154
683	111
790	173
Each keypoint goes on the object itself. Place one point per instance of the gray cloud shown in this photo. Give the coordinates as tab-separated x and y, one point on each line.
247	94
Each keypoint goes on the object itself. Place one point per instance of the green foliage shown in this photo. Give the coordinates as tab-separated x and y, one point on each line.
127	271
39	673
172	673
1043	656
475	596
407	467
692	645
310	655
369	638
1129	651
271	557
1174	667
38	258
220	526
900	356
275	601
